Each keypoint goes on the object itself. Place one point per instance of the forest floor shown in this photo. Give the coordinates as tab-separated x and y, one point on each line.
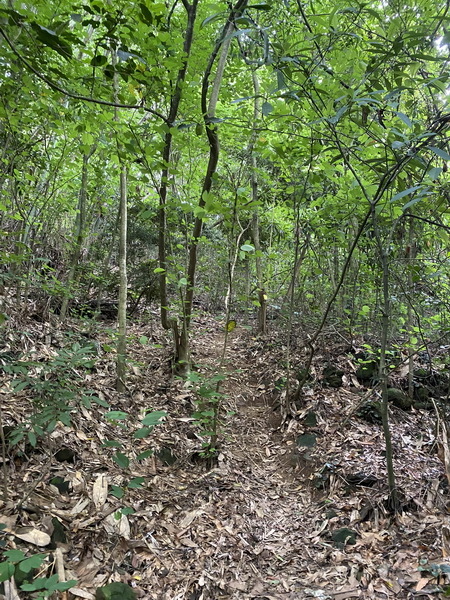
289	511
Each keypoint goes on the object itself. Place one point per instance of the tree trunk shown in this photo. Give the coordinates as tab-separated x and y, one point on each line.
166	157
383	374
123	286
262	295
209	111
410	256
80	228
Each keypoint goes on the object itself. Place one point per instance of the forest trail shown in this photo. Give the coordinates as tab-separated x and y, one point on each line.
259	524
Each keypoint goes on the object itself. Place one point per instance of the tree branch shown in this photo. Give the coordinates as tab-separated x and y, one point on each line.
56	87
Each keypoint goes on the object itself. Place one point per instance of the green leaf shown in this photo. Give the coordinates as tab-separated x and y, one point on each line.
127	510
62	586
159	270
6	571
136	483
261	6
211	19
32	438
115	591
143	340
142	433
434	173
441	153
406	120
147	16
407	192
14	555
247	248
266	108
116	415
153	418
111	444
183	281
117	492
144	455
122	460
99	60
34	562
53	41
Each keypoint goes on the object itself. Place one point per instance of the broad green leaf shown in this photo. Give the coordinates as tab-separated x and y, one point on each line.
117	492
434	173
122	460
53	41
212	19
441	153
142	433
99	60
6	571
14	555
136	483
111	444
147	16
153	418
144	455
266	108
116	415
34	562
407	192
247	248
406	120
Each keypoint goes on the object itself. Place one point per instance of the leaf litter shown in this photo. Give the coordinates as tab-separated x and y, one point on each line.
262	523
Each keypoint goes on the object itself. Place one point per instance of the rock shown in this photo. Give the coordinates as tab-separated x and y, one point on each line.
399	399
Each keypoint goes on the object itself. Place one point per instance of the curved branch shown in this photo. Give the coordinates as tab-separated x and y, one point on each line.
57	88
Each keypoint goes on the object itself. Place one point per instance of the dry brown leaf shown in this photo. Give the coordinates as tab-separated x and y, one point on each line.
423	582
9	521
33	536
100	491
189	518
79	593
120	526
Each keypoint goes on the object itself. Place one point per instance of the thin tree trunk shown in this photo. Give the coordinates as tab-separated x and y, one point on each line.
262	295
383	374
166	157
121	365
209	111
410	256
123	286
80	227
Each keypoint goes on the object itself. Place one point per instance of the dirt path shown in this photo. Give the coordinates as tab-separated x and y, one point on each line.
257	526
